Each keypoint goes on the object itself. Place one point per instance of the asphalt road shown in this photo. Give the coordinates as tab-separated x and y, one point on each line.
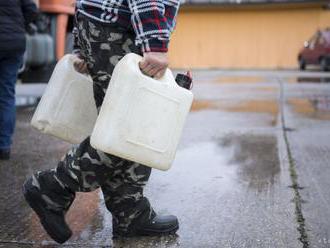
251	170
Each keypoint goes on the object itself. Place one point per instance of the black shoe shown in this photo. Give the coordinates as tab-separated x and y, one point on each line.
159	225
154	225
52	221
4	154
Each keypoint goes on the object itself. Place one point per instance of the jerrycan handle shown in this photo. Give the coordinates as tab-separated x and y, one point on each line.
182	80
168	77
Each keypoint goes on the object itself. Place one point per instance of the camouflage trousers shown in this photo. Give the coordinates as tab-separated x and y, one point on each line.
85	169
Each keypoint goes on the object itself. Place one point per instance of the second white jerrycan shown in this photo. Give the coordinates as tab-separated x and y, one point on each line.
141	118
67	109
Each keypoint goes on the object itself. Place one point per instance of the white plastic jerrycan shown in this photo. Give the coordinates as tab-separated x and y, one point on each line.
141	118
67	109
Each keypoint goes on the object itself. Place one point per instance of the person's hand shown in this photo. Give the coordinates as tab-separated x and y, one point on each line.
154	64
80	65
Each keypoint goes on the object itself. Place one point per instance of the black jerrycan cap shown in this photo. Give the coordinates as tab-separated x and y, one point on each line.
184	80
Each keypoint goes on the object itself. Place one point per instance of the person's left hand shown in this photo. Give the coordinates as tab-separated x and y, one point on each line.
80	65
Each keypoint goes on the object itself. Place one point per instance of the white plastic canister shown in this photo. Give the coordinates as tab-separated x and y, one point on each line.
141	119
67	109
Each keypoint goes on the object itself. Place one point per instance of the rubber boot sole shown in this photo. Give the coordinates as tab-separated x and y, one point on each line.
148	232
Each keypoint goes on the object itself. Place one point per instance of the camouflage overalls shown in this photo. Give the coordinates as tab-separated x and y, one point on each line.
85	169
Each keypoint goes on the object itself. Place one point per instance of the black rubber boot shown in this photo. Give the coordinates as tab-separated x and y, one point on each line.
148	223
158	225
52	221
4	154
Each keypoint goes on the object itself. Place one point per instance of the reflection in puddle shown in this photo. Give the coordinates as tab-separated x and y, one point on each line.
242	79
249	106
266	89
316	108
308	80
221	164
256	157
199	105
207	163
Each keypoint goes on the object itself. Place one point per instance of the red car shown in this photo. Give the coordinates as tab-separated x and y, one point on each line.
316	51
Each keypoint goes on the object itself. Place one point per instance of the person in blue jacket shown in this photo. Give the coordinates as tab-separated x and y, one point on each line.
14	17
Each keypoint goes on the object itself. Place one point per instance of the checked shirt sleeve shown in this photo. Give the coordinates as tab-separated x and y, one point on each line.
151	24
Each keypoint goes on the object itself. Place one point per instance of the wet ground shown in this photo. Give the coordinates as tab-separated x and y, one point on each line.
251	170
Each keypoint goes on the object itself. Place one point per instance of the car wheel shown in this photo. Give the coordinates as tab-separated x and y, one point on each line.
324	64
302	64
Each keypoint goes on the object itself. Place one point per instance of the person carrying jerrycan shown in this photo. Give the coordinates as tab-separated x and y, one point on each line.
105	31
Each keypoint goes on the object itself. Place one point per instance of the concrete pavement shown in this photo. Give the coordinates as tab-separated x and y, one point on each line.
251	170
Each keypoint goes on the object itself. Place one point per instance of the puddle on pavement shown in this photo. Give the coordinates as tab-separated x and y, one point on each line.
219	164
240	79
145	242
307	80
249	106
316	108
199	105
267	89
256	157
250	159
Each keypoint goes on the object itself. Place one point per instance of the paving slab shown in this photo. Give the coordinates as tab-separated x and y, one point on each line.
308	114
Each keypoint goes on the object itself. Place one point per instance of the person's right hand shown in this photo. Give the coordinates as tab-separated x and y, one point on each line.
154	64
80	65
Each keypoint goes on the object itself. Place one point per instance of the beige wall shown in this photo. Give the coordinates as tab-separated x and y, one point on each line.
243	38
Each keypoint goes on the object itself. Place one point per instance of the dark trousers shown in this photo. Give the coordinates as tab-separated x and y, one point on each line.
9	65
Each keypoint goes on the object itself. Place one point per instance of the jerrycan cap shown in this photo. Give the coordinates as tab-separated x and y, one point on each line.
184	80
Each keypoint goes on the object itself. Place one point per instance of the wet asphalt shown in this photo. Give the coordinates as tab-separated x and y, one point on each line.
251	170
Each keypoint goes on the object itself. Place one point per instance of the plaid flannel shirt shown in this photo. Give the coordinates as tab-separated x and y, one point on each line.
152	20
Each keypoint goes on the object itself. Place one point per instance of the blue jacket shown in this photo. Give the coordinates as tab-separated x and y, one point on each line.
14	15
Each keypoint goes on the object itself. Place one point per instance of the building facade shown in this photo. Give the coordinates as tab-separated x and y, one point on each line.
245	34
